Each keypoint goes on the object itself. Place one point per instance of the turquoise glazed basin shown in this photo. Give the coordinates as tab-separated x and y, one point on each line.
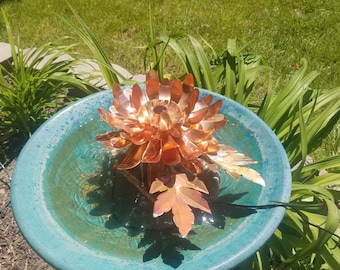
62	198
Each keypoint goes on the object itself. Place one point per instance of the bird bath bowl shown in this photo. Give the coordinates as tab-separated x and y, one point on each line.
62	198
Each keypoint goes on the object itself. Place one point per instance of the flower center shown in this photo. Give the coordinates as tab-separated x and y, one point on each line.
156	107
159	108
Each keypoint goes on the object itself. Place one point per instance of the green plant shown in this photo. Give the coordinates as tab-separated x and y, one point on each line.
35	84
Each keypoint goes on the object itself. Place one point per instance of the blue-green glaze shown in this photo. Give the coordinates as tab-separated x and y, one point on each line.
57	169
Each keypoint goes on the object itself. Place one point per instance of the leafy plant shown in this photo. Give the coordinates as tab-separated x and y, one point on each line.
35	85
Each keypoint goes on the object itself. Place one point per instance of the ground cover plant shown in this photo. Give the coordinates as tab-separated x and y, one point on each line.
301	110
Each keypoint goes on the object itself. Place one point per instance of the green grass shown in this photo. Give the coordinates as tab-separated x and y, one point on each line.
285	31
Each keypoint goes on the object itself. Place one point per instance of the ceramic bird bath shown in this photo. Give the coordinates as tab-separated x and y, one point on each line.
64	197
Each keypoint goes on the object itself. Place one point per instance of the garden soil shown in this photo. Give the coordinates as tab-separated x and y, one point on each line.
15	253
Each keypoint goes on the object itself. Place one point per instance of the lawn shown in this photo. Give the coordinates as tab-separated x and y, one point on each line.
285	31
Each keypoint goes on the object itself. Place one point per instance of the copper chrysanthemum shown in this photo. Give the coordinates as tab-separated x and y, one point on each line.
165	125
169	128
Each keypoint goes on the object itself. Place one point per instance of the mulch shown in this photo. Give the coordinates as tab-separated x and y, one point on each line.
15	253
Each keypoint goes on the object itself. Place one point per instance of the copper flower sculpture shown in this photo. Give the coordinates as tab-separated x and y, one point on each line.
170	129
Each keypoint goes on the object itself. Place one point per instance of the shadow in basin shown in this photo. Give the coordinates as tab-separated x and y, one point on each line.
223	208
167	245
160	237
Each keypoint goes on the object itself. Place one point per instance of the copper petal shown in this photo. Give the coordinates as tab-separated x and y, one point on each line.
113	140
169	143
133	127
188	149
120	101
143	115
141	137
188	88
192	101
214	108
112	121
153	152
171	157
209	146
176	90
165	90
107	136
123	110
120	142
175	113
215	123
176	132
197	135
184	100
138	97
196	116
108	145
203	102
152	85
188	83
118	93
165	122
132	157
